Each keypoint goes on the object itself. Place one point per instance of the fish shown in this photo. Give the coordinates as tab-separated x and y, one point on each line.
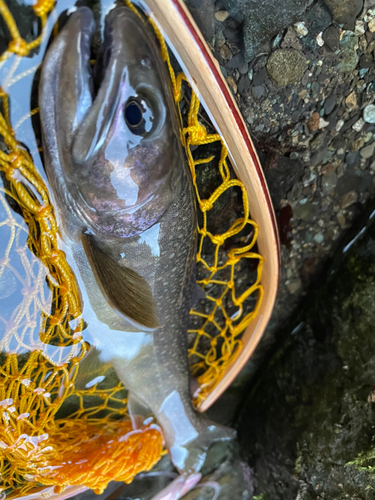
127	217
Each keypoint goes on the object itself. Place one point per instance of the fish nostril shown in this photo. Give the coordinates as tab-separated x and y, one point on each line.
133	114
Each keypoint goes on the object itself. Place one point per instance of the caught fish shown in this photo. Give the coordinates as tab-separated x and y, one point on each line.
127	217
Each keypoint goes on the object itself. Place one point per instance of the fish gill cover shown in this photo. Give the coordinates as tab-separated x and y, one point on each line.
53	434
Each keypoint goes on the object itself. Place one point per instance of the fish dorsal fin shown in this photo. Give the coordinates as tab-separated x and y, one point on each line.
125	290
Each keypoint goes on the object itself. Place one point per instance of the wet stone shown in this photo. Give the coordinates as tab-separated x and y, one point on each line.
315	87
313	122
331	38
317	142
318	18
263	21
258	91
329	182
236	61
368	151
244	68
369	113
319	238
345	11
260	77
353	159
329	104
294	285
348	199
304	212
286	66
366	61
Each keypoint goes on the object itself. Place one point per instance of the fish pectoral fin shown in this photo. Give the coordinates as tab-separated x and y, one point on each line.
126	291
138	411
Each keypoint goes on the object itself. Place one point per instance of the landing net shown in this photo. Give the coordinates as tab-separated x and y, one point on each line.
50	432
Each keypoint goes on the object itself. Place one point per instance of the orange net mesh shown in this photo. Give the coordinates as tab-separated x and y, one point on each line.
46	424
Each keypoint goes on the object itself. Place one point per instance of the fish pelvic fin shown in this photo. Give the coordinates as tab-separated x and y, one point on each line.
125	290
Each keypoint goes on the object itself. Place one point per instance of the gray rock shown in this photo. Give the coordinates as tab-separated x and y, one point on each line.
236	61
368	151
318	156
317	18
262	21
315	87
203	12
369	113
294	285
348	60
260	77
286	66
353	159
258	91
366	61
329	104
305	212
331	38
329	182
244	68
317	142
345	11
319	238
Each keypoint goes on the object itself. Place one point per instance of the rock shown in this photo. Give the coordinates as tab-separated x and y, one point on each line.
369	113
304	212
225	52
348	199
222	15
258	91
232	34
317	142
329	104
315	87
263	21
331	37
294	285
351	101
307	428
203	13
319	238
313	122
290	40
358	125
359	28
317	18
236	61
300	29
348	55
232	84
348	60
368	151
366	61
260	77
282	176
371	25
345	11
352	159
329	182
286	66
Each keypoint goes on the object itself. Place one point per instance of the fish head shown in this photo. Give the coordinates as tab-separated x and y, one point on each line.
123	154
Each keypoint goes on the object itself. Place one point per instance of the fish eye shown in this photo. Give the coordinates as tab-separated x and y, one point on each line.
133	114
138	116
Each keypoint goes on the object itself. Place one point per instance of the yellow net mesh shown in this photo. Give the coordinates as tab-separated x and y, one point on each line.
41	336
